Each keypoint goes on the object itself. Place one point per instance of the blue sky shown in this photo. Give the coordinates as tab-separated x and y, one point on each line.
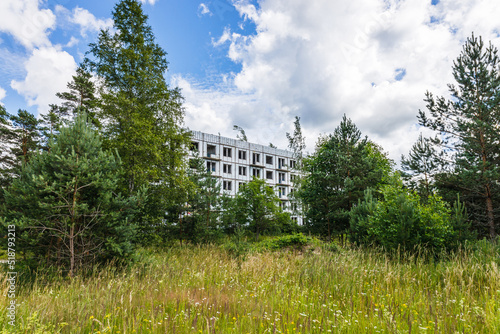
185	29
258	64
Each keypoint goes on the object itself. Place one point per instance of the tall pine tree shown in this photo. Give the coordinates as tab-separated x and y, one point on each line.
469	124
140	114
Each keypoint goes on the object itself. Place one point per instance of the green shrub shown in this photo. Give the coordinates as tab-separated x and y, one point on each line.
296	241
400	220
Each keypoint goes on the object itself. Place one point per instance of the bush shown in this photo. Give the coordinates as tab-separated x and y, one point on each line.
296	241
399	220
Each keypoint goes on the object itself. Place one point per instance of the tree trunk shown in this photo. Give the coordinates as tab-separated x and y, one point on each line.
72	251
490	213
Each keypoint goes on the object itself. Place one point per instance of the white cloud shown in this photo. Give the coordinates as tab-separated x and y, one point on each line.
2	94
204	10
72	42
48	71
88	22
26	22
370	59
151	2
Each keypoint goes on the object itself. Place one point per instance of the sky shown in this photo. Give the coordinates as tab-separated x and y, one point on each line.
258	64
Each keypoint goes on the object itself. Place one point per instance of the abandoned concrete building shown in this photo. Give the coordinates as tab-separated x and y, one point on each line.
235	162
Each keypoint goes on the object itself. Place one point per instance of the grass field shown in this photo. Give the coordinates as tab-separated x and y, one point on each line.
319	289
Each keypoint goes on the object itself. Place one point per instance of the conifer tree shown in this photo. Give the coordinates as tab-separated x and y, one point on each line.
297	142
343	166
141	116
420	167
65	202
7	160
81	97
469	124
27	137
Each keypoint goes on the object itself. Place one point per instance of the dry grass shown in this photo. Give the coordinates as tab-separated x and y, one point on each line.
205	290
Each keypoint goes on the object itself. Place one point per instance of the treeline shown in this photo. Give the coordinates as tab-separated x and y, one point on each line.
107	169
448	189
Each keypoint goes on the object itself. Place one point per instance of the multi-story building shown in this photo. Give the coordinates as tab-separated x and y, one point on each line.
235	162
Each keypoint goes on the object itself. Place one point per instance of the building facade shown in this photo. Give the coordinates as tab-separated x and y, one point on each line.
235	162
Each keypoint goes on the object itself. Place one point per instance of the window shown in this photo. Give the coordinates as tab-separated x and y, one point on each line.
211	150
269	160
256	172
226	185
269	175
241	185
226	169
242	155
226	152
281	192
294	219
292	164
281	163
281	177
294	206
294	177
256	158
194	146
210	166
242	170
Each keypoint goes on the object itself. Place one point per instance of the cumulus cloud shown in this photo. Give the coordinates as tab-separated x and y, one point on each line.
48	71
26	22
203	10
88	22
370	59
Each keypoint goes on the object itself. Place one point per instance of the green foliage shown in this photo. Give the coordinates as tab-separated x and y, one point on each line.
256	205
141	116
7	136
342	167
468	125
65	202
204	201
297	142
399	220
296	241
366	290
420	167
241	133
27	137
80	99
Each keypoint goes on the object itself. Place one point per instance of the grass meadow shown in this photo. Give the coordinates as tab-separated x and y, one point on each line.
319	289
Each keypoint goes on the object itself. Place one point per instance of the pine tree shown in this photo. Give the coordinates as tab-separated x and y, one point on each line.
421	166
297	142
469	124
81	97
65	203
7	159
27	137
141	116
343	166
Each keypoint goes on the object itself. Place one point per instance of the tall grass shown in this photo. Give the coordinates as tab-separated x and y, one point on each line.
206	290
